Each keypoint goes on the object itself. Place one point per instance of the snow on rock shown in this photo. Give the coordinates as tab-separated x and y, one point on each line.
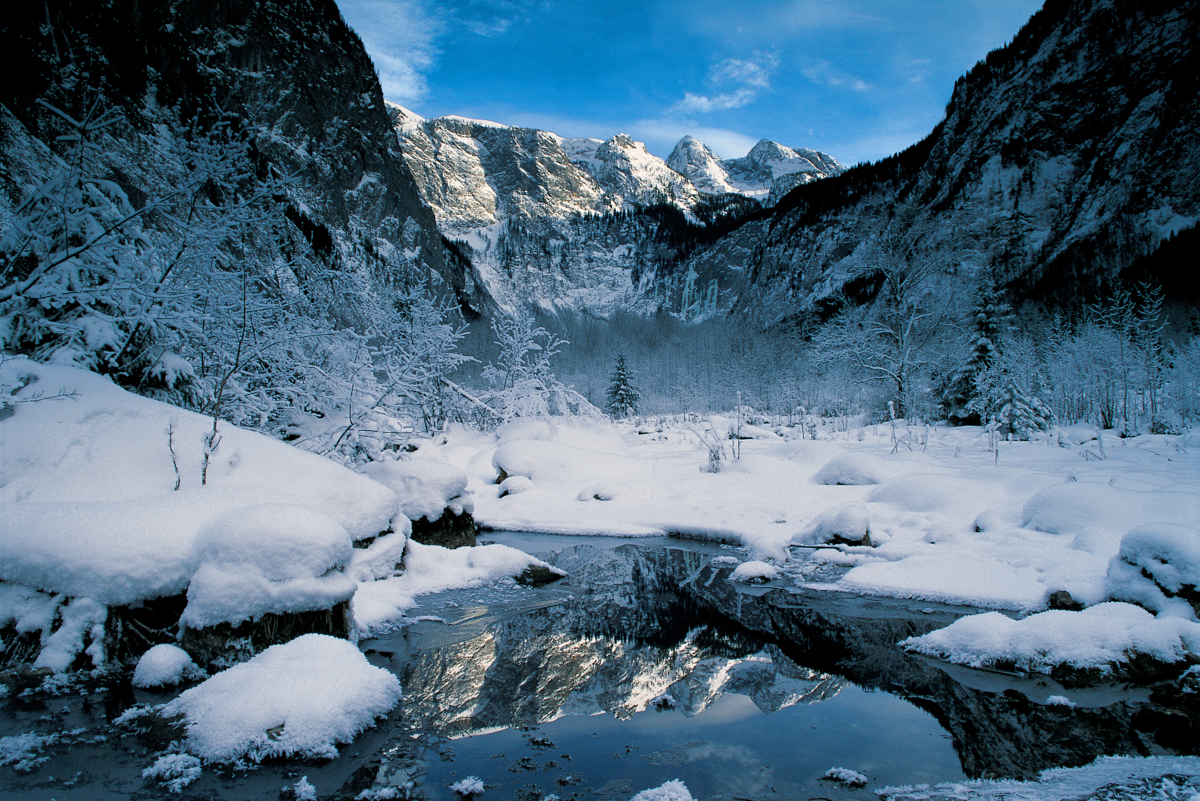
425	487
851	778
847	522
165	665
468	787
515	485
298	699
267	558
852	468
1156	563
380	605
752	572
674	790
1103	637
380	559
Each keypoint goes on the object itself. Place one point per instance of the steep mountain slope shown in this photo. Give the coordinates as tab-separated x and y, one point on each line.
1063	159
555	222
768	172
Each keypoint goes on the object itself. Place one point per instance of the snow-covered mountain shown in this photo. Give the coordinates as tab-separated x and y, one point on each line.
534	211
768	172
1066	159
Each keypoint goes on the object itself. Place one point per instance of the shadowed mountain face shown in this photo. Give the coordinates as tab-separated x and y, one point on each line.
1063	159
637	626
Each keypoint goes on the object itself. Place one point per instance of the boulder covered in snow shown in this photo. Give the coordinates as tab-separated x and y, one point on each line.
852	468
298	699
1158	567
848	523
165	666
434	496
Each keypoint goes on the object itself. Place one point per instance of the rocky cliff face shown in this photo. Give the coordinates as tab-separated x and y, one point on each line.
295	77
555	222
1063	159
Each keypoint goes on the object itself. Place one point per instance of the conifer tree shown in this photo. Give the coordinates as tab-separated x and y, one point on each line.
623	396
990	318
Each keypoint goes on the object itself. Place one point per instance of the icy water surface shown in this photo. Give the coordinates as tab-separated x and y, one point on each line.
645	665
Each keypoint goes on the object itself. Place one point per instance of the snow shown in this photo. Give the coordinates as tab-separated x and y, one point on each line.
165	665
754	572
1060	783
91	512
468	787
674	790
380	605
846	776
425	487
1104	636
951	518
1156	561
300	699
174	771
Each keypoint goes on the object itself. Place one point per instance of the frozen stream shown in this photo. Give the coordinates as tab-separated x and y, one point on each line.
646	665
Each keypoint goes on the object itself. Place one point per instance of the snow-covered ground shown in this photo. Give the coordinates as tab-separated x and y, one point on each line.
951	519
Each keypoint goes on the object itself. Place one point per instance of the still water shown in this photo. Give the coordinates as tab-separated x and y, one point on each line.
645	665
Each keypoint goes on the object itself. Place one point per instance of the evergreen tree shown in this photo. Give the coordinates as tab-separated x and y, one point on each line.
623	396
990	319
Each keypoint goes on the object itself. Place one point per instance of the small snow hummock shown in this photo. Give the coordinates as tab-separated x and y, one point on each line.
850	469
847	522
752	572
1060	700
851	778
174	771
165	665
303	790
300	698
468	787
674	790
1103	636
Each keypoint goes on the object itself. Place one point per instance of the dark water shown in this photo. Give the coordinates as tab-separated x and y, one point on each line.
646	665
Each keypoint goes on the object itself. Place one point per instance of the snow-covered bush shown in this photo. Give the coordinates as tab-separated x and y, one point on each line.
521	383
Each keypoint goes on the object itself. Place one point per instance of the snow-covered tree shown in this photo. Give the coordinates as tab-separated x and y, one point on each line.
990	320
521	383
623	395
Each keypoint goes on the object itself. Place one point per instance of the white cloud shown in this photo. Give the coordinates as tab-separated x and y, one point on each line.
740	79
825	74
401	37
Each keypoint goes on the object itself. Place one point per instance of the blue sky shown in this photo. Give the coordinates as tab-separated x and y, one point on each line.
858	79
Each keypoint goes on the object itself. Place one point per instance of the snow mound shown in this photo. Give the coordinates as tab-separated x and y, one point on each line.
750	572
267	558
674	790
425	487
550	463
380	559
849	523
1098	514
1104	636
852	468
299	699
165	665
1156	563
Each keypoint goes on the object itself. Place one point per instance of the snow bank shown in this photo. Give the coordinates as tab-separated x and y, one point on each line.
87	483
1102	637
546	463
425	487
165	665
1098	514
1157	562
379	605
102	502
247	569
670	791
300	699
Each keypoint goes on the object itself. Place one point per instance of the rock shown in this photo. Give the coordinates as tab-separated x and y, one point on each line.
1061	599
23	679
539	575
448	531
217	647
